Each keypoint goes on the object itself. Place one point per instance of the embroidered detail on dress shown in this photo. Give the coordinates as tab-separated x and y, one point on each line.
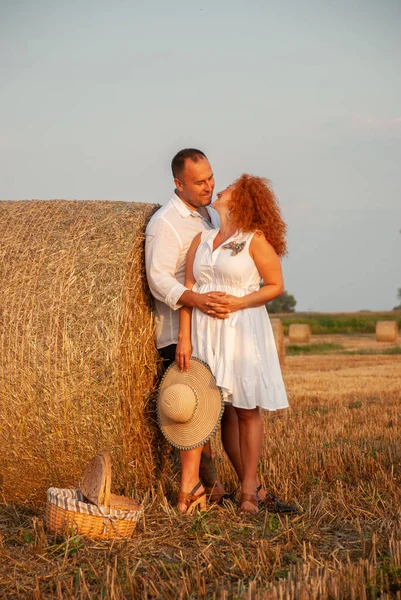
236	247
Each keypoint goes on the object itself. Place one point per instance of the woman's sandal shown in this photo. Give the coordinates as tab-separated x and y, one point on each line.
191	501
253	499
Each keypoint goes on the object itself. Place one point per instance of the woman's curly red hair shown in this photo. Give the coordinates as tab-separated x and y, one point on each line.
255	208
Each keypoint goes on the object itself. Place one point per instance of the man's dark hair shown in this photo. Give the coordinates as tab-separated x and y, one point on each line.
178	162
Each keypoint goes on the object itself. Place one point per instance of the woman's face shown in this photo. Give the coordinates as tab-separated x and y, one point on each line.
223	201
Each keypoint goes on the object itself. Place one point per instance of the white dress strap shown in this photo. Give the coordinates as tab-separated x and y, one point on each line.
206	234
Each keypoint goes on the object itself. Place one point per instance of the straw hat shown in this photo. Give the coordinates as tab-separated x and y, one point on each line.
189	405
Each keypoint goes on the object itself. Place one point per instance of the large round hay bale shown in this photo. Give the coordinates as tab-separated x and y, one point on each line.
386	331
278	333
77	354
299	334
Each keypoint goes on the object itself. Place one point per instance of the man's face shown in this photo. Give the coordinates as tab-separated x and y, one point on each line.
196	183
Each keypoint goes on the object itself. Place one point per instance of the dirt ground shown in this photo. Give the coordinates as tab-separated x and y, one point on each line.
336	453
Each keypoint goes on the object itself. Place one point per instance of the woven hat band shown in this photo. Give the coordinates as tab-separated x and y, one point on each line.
178	402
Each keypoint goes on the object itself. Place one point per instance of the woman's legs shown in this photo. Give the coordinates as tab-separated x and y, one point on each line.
231	442
250	425
190	460
230	438
207	470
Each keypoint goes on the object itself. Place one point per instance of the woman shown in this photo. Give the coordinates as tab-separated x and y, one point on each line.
240	349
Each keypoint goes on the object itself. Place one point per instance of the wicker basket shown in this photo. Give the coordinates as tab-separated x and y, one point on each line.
69	510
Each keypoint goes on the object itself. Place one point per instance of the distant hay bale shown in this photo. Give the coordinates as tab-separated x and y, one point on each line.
77	353
278	333
386	331
299	334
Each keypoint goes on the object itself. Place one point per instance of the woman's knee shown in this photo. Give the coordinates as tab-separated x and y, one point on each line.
229	415
248	414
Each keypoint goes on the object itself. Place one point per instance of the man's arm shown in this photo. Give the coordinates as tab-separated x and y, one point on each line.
202	302
162	249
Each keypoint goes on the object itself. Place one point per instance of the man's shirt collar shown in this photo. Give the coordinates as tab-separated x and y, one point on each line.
182	208
184	211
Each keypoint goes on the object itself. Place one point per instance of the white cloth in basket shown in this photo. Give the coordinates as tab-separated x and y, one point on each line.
73	500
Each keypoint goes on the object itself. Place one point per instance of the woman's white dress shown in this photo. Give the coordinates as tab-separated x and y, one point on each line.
240	350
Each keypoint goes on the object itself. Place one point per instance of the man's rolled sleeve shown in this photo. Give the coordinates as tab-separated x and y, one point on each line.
162	251
174	295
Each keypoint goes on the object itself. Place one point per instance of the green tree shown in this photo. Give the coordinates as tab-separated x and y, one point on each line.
399	298
282	304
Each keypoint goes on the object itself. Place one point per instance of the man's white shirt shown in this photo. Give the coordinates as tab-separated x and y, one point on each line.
168	236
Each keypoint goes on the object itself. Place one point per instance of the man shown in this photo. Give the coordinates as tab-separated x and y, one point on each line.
168	236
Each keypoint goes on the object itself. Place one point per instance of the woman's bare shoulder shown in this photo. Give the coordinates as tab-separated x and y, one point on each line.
260	239
260	245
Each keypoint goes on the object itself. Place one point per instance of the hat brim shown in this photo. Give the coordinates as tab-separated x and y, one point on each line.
206	419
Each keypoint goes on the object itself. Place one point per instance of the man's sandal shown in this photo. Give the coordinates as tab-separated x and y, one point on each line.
208	475
207	471
217	497
274	505
252	499
191	501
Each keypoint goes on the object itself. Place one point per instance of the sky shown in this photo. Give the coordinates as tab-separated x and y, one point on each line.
97	96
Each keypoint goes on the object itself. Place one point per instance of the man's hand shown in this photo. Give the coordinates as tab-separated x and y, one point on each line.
183	353
219	309
215	304
226	304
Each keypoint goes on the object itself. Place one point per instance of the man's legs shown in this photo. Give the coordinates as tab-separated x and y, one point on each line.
207	471
168	355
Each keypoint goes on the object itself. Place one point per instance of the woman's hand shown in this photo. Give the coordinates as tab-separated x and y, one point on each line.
229	302
183	353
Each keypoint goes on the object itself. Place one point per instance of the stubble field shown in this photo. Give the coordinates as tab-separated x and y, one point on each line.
336	452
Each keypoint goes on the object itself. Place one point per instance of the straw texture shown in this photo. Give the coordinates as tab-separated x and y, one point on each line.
278	333
77	355
386	331
299	334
